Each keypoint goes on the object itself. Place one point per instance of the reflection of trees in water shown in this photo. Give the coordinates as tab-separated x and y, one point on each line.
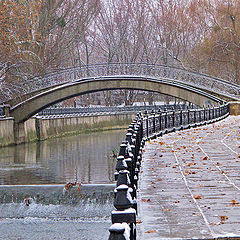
86	157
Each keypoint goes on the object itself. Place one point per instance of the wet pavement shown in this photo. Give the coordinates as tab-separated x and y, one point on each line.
190	184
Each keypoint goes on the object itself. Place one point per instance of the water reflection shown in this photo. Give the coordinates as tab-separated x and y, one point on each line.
85	158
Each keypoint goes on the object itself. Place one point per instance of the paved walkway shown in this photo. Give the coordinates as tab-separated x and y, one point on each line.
190	184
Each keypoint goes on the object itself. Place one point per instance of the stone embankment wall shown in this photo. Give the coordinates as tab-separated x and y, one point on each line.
6	131
49	128
39	128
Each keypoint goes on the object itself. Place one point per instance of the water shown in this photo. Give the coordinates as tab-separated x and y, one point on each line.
83	214
86	158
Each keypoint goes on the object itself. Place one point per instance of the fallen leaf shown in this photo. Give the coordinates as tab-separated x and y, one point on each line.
145	200
151	231
223	218
165	210
198	196
138	221
159	180
233	202
197	214
205	158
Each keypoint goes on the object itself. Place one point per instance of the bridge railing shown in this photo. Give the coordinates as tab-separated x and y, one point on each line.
113	109
144	127
160	72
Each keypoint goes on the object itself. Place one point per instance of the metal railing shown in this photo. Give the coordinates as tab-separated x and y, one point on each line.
113	109
144	127
159	72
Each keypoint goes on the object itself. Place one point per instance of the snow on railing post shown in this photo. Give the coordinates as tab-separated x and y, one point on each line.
124	212
119	231
120	165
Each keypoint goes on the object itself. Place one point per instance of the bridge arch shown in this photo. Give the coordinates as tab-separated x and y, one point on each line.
25	109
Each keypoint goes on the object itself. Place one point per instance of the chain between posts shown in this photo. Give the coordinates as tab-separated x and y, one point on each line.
144	127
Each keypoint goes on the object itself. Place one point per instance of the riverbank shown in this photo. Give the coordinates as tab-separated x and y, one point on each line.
42	128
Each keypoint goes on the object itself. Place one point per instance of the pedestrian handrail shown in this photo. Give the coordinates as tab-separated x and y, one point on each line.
144	127
79	110
158	72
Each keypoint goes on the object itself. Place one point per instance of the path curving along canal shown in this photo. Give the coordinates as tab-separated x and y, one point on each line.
191	182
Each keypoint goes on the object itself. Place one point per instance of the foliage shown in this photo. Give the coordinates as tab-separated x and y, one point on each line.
40	36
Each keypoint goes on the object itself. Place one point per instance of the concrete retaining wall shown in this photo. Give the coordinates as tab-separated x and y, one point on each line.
42	128
60	126
6	131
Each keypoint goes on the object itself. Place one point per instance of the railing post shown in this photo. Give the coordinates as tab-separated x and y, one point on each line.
160	120
209	113
125	213
6	110
181	118
166	120
173	119
204	115
147	127
154	123
119	231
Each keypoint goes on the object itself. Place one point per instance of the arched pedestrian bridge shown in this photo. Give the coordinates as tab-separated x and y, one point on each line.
44	91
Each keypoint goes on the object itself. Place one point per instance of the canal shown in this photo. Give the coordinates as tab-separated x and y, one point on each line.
40	170
87	158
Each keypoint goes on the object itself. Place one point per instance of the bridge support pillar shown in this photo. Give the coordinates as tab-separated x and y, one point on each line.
6	109
19	133
234	108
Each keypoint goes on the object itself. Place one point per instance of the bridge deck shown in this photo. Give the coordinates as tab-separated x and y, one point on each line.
190	184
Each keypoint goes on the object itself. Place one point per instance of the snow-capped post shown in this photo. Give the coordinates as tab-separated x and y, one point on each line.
123	178
121	165
125	212
122	151
119	231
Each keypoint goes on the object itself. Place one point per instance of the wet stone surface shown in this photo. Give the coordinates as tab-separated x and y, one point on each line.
190	184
